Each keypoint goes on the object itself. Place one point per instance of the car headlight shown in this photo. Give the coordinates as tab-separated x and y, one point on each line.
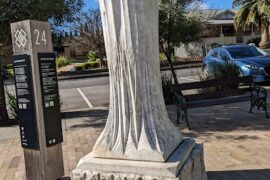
254	68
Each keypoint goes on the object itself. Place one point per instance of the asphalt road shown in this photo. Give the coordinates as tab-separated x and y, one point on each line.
84	93
94	92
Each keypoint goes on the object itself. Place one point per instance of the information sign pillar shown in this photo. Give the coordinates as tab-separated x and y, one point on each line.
38	99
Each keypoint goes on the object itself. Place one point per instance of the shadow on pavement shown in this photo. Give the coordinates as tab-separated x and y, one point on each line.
204	121
101	113
235	117
85	119
8	123
64	178
258	174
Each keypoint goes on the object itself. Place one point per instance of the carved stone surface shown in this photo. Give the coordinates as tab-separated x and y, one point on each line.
186	163
138	126
139	142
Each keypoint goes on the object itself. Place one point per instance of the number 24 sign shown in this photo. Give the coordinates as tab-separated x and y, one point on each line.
40	37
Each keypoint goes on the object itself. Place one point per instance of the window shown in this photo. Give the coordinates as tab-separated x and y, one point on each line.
228	30
244	52
223	55
214	52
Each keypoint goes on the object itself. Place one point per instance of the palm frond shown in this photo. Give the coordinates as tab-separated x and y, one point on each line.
237	3
251	13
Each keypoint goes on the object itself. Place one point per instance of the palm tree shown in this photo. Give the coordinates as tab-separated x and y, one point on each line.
254	13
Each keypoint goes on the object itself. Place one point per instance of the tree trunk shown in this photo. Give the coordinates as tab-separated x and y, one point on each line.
138	126
101	62
3	114
172	70
264	44
168	56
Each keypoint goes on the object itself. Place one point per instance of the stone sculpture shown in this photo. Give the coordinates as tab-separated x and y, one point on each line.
139	141
138	126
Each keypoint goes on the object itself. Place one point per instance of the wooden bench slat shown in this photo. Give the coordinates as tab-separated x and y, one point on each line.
212	83
216	95
220	101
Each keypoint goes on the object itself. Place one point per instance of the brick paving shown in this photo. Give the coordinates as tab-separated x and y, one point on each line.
236	143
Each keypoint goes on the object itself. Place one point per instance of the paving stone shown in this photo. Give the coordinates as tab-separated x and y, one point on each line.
236	143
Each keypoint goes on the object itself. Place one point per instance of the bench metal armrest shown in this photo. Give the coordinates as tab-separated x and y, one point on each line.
180	100
259	92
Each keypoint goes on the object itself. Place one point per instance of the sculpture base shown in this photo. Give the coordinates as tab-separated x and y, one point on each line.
186	163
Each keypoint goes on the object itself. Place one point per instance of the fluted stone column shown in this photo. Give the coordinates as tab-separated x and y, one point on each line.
139	141
138	126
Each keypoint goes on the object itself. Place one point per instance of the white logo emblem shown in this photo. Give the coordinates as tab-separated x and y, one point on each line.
20	36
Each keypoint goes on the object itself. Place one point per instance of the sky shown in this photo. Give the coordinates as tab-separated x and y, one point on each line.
208	4
218	4
91	3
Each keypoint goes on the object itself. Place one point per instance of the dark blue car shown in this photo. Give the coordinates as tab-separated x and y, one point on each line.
251	60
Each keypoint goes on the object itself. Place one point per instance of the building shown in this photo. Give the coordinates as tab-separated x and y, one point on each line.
219	30
76	48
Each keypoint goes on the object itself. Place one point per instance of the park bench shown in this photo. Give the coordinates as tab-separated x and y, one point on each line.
218	92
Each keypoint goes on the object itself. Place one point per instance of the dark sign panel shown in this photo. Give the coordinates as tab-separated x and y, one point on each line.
25	101
50	98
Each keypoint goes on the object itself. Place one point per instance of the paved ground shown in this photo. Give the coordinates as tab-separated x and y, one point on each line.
236	143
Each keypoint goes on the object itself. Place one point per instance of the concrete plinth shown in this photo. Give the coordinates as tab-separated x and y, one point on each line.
186	163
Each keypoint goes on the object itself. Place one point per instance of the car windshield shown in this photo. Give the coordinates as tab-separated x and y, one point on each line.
245	52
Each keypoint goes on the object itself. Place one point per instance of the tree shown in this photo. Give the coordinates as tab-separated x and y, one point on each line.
57	12
176	27
91	34
254	13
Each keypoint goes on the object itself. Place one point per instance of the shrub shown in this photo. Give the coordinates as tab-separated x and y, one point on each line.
88	65
221	71
92	56
215	45
167	87
94	64
12	105
105	63
79	68
8	66
8	71
162	57
256	41
226	70
62	61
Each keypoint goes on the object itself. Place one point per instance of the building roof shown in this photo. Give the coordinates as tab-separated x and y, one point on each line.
217	16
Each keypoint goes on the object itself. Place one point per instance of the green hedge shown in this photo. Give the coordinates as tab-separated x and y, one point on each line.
62	61
88	65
